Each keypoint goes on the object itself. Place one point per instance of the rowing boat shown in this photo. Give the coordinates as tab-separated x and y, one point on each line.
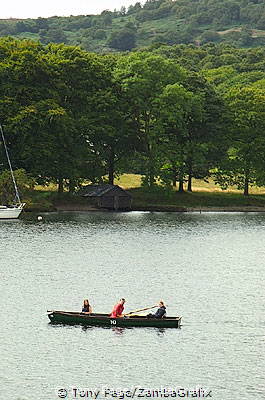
76	318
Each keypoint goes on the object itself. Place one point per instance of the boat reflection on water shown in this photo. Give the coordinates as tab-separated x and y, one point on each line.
86	328
160	331
118	330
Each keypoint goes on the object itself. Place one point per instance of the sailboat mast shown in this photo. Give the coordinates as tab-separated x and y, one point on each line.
10	166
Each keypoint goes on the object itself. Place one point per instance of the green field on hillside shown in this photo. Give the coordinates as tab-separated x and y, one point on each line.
161	21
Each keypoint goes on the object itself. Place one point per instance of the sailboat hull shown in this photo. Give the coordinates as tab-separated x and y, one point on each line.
14	211
10	212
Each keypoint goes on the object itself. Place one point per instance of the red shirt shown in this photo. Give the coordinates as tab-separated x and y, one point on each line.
117	310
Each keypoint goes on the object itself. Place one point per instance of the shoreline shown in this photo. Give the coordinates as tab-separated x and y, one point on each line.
152	209
201	209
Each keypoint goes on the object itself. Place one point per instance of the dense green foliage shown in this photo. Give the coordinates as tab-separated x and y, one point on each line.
238	22
24	182
169	113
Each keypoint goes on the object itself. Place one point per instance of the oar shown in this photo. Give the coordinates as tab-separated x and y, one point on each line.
141	309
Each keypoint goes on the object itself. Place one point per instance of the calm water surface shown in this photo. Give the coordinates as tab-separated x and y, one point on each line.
208	267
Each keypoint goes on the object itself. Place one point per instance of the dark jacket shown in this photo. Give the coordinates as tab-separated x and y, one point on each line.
160	312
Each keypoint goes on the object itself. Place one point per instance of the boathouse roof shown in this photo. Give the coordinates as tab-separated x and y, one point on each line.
102	190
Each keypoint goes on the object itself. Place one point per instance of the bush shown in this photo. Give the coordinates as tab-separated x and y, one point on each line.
100	34
7	191
122	40
209	36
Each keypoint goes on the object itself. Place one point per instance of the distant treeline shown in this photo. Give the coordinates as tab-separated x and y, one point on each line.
168	113
238	22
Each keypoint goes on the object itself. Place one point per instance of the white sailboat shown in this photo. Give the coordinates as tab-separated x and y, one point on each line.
10	211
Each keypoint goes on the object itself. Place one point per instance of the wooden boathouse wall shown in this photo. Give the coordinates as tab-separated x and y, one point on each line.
111	197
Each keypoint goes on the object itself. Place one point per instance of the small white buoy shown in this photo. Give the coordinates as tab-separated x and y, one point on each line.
39	218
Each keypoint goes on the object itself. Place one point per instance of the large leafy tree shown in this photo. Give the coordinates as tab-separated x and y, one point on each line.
143	77
81	78
45	92
111	132
48	145
207	136
178	110
122	40
245	160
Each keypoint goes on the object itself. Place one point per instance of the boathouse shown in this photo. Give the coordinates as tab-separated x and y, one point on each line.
112	197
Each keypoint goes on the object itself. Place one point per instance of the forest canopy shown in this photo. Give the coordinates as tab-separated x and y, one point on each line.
169	113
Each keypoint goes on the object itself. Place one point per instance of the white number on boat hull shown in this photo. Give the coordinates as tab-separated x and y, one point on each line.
112	322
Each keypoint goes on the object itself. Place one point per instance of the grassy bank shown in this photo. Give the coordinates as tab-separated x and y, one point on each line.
204	196
200	200
47	199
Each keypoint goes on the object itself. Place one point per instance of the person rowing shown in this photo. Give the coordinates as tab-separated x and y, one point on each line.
161	311
118	309
87	309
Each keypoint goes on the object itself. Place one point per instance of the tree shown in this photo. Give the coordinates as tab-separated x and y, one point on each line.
53	35
209	36
179	109
44	99
245	160
41	23
24	184
122	40
134	9
111	136
25	26
194	129
143	77
122	10
49	145
207	137
99	34
106	17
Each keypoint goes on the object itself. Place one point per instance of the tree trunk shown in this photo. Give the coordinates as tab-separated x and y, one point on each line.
246	186
111	168
149	147
181	180
60	185
174	177
71	185
151	178
246	179
189	183
181	185
190	175
151	172
111	176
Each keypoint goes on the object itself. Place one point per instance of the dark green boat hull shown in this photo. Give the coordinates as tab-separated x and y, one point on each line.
74	318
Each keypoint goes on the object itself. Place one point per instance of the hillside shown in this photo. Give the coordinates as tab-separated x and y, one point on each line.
238	22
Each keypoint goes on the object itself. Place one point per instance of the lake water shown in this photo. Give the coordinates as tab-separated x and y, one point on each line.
207	267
